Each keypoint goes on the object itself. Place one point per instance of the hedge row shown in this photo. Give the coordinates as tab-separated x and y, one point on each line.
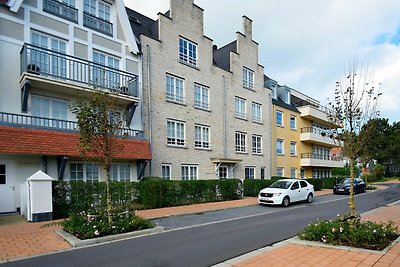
74	197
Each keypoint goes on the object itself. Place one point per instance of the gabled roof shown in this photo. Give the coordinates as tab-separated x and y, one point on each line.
281	103
141	24
221	56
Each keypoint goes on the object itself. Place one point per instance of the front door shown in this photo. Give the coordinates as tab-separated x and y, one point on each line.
7	188
223	172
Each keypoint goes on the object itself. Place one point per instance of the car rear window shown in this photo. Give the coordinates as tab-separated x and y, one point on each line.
303	184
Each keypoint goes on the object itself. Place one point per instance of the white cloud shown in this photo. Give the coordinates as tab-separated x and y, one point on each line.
308	44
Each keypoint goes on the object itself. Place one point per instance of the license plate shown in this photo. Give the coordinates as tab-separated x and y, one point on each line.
340	190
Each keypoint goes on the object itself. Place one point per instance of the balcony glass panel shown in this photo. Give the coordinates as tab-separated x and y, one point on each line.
97	24
61	10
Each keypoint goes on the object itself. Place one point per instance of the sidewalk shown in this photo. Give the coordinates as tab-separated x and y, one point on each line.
19	238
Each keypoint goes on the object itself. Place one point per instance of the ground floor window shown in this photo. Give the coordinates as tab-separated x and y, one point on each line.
262	174
166	171
321	173
249	173
189	172
120	172
87	172
2	174
293	172
279	172
223	172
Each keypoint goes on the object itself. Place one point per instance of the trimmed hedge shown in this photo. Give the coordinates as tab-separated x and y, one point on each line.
253	186
75	197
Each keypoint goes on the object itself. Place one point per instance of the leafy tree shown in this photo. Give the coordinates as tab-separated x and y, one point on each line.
354	105
99	123
378	145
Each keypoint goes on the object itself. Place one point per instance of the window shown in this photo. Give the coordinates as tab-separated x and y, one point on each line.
279	118
295	186
223	172
3	174
262	173
303	184
240	108
48	62
256	112
46	107
166	171
240	141
292	122
189	172
174	89
105	77
293	172
97	16
88	172
202	136
187	52
293	149
279	172
279	147
248	78
62	8
120	172
249	173
201	99
257	144
175	133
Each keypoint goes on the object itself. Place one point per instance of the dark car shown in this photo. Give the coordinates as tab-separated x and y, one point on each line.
344	186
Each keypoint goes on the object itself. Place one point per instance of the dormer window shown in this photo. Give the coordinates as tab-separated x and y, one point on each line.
97	16
248	78
188	52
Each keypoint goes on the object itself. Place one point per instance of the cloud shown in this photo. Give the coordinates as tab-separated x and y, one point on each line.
308	44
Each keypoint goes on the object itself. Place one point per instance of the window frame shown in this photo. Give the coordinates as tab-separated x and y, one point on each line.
294	120
178	89
85	171
249	172
186	48
174	140
256	112
282	169
168	167
190	174
204	142
282	142
117	168
248	78
295	173
240	142
240	108
256	144
281	124
293	148
204	98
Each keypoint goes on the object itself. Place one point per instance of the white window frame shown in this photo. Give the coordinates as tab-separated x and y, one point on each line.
294	125
249	172
262	173
174	89
293	173
240	142
176	134
188	52
166	170
85	171
201	97
94	8
293	148
256	112
282	170
281	142
279	114
120	172
240	108
190	173
256	141
202	136
106	77
248	78
50	108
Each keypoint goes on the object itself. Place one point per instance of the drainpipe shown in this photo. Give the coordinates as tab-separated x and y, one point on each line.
149	106
224	115
272	157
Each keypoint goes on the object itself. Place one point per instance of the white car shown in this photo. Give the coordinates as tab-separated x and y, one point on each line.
285	191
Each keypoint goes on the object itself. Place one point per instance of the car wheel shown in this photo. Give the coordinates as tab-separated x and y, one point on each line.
286	201
364	189
310	198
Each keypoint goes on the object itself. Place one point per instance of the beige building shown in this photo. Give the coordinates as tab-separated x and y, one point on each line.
207	113
302	134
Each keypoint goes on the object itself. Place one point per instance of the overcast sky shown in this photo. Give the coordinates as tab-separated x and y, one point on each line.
307	45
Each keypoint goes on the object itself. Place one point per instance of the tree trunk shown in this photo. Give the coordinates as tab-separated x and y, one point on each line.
351	196
108	196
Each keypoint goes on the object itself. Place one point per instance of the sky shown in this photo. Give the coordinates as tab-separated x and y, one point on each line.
308	45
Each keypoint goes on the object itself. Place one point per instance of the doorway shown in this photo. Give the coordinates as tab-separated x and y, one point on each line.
7	187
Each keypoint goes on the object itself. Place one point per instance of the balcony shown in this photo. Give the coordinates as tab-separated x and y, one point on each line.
20	120
315	112
320	160
61	10
318	136
97	24
54	71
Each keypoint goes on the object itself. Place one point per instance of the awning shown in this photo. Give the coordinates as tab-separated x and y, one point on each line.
226	161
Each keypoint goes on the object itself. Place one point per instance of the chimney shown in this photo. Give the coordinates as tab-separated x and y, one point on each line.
247	27
215	47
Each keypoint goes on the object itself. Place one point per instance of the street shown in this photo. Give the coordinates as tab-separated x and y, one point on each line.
212	237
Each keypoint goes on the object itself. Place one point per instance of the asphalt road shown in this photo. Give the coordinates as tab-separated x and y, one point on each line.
212	237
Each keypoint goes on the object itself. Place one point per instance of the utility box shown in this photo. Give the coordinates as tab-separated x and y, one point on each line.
39	197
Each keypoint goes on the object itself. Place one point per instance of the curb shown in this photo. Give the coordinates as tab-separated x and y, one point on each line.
76	242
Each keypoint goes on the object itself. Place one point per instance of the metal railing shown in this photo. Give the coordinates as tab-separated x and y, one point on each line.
61	66
61	9
317	131
97	24
13	119
320	157
315	105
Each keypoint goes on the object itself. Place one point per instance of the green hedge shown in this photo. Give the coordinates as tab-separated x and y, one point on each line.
253	186
75	197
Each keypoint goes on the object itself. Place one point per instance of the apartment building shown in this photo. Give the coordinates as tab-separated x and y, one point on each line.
207	112
53	53
303	135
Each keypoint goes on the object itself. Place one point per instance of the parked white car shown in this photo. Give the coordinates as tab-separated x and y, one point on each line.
286	191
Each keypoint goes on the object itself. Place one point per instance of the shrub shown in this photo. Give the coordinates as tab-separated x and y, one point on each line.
378	171
317	183
340	171
80	226
253	186
368	235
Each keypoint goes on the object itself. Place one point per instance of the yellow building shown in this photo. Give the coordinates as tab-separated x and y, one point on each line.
302	135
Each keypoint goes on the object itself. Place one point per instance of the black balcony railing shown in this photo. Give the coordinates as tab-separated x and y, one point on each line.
97	24
314	105
60	66
314	130
61	9
12	119
320	157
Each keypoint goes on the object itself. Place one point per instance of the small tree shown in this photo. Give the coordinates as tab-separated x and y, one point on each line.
99	123
355	104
